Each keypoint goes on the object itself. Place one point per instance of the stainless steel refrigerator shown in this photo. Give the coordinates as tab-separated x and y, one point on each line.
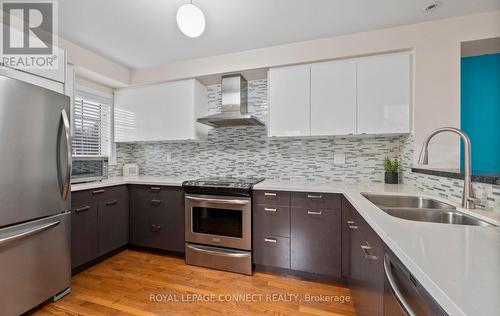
35	169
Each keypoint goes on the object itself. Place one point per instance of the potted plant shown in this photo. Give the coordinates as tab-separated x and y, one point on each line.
391	171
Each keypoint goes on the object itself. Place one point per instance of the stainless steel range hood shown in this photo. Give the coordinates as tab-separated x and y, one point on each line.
234	105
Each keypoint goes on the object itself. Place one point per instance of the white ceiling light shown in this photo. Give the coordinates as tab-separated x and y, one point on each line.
191	20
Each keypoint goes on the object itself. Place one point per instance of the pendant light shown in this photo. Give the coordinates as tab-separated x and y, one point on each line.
191	20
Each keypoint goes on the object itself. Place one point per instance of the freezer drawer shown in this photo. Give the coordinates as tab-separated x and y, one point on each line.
35	263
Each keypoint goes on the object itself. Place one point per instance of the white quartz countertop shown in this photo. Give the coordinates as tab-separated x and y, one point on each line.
458	265
146	180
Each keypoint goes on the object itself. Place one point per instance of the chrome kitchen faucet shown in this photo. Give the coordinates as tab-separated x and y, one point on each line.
468	197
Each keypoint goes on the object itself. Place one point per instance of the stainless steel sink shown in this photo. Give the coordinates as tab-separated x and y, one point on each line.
417	208
406	201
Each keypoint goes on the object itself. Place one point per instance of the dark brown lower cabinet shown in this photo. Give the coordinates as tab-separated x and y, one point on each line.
316	241
113	221
157	217
84	247
99	223
366	270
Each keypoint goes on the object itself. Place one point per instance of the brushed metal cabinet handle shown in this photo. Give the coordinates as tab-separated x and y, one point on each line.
269	194
366	251
310	196
156	202
155	189
353	226
112	202
314	213
156	228
271	240
98	191
272	210
82	209
350	222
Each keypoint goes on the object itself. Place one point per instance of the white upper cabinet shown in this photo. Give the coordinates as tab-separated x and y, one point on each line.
160	112
289	97
367	95
126	104
333	98
384	94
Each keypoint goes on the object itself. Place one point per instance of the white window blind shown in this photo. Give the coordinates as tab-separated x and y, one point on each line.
91	125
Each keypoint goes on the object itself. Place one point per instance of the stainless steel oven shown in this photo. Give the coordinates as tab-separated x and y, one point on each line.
219	223
218	232
222	221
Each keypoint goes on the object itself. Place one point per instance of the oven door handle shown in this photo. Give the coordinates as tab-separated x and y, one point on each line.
219	201
219	253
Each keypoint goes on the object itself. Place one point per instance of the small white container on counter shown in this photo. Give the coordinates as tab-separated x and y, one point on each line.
130	169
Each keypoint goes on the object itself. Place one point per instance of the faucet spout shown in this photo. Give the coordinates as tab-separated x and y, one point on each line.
468	197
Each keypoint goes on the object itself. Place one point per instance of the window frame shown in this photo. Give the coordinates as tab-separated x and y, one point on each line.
100	97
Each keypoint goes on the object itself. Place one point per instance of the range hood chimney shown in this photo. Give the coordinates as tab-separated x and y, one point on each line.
234	105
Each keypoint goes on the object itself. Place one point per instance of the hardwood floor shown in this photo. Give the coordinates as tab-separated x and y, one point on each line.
141	283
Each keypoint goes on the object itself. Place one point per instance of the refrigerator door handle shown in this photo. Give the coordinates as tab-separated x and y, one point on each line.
67	134
31	232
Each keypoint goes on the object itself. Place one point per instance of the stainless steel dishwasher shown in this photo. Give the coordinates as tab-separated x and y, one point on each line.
403	294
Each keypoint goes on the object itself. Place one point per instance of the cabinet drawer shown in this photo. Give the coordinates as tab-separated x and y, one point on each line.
272	197
147	233
316	241
330	201
97	194
271	251
271	220
84	246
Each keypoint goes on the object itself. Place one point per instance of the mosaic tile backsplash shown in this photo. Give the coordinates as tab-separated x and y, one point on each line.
247	151
448	188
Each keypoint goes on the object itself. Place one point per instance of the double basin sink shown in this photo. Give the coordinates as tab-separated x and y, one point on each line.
422	209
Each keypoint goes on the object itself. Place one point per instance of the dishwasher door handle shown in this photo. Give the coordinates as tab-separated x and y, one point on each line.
394	288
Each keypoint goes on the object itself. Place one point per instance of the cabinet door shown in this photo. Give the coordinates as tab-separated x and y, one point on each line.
347	223
316	241
173	218
126	103
384	94
333	98
113	221
289	101
167	111
83	233
366	267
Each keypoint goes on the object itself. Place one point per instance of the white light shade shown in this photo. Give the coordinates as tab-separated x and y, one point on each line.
191	20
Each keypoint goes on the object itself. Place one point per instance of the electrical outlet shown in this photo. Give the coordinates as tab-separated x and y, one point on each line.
339	159
168	157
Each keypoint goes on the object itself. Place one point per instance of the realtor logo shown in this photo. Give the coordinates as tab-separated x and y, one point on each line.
28	34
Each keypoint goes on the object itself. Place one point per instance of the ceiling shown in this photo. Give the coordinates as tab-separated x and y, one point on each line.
139	34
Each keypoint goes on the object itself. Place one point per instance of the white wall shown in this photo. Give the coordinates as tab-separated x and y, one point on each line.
95	67
436	46
85	82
